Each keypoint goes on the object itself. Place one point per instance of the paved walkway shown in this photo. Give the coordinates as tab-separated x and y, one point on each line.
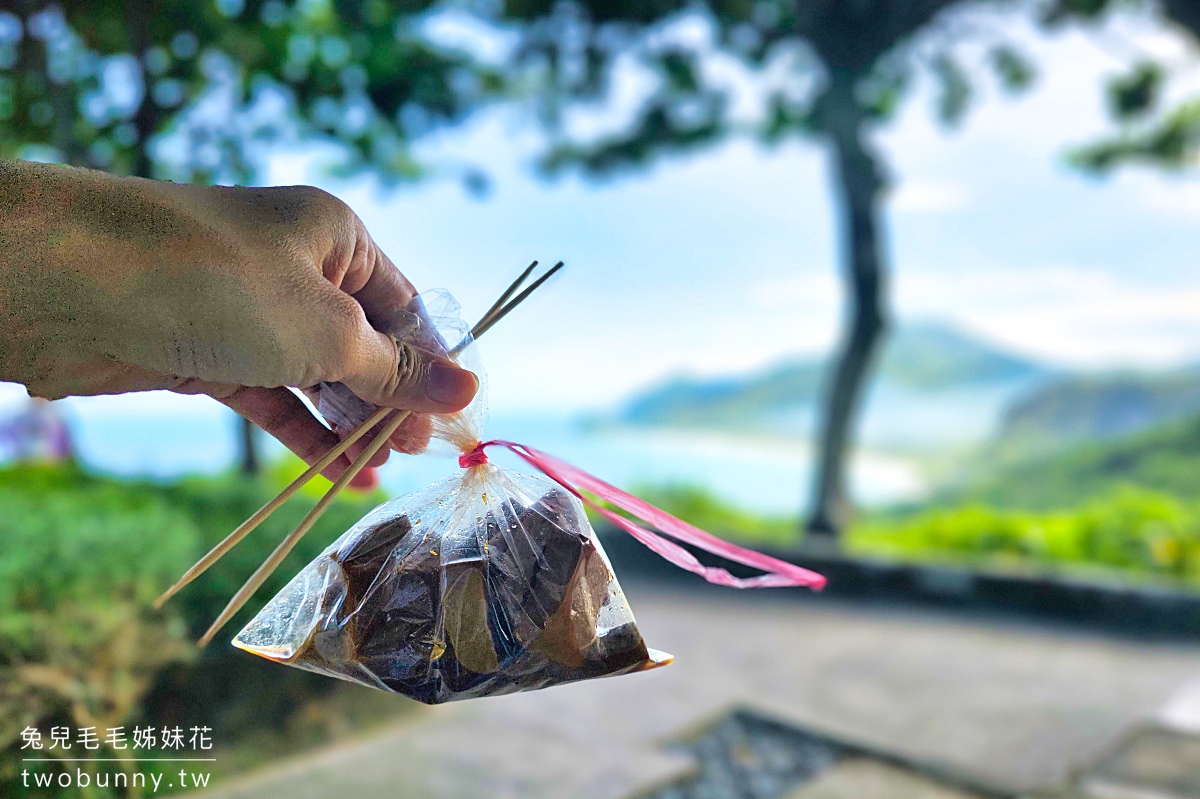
1015	705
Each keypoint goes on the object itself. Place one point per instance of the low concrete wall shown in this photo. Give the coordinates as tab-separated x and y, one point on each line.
1129	609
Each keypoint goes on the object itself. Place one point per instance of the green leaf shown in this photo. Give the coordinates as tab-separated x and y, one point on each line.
1136	94
1172	143
1015	71
954	89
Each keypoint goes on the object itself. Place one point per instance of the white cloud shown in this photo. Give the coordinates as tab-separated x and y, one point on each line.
915	196
1074	315
819	289
456	29
12	397
1168	195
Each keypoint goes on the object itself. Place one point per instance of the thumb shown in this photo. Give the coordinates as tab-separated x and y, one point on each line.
388	372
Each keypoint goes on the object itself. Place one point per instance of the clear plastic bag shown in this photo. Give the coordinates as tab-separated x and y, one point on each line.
488	582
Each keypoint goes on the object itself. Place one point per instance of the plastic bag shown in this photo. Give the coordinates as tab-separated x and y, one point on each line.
485	583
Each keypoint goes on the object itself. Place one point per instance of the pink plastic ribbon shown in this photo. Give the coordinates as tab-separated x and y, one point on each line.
778	573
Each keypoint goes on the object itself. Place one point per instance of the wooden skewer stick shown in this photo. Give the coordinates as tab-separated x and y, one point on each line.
246	527
486	323
285	546
508	292
497	312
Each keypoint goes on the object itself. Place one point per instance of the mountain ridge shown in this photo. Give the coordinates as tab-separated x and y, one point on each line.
1098	407
936	389
921	358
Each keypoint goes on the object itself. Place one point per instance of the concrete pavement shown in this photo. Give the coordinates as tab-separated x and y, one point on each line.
1011	704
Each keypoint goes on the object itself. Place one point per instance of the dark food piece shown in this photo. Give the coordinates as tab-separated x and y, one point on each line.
365	557
535	557
518	613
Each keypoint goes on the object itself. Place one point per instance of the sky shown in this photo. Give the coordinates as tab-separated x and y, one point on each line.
726	260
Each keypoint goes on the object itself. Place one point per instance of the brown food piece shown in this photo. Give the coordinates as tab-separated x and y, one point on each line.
365	558
567	636
531	556
350	618
391	603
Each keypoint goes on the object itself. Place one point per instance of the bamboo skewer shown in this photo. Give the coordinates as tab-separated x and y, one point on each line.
497	312
486	323
494	314
246	527
285	546
508	292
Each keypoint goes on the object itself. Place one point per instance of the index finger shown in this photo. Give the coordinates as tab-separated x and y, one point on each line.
374	281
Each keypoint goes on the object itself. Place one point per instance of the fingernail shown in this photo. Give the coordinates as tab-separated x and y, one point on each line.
449	385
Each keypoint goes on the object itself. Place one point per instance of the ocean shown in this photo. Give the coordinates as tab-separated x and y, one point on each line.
163	436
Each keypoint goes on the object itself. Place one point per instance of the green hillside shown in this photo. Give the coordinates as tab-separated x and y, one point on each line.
1166	459
1112	509
1084	408
934	356
722	403
922	358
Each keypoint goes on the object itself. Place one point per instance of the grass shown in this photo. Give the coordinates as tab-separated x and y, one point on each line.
1134	531
704	509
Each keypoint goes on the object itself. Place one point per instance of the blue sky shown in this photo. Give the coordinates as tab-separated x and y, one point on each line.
725	261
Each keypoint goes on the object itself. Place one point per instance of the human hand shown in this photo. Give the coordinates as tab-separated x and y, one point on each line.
110	285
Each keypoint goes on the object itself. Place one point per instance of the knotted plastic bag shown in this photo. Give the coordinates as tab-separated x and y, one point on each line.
485	583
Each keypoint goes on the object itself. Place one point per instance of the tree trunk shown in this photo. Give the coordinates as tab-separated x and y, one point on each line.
249	461
860	184
34	65
145	119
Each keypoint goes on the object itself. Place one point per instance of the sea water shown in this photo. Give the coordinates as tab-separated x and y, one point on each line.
164	436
